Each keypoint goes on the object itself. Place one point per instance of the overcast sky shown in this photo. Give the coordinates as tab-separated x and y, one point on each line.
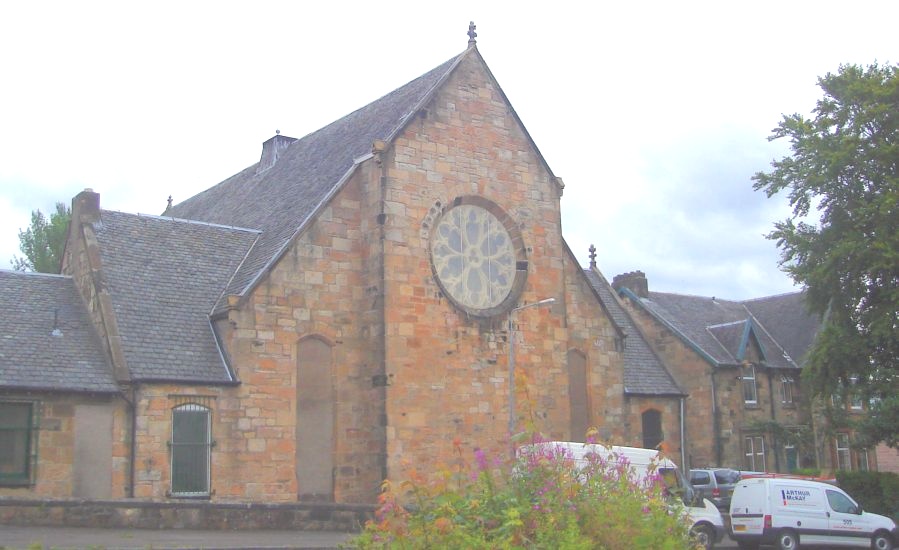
655	114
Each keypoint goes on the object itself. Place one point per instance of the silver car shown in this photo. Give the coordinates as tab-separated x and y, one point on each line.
715	484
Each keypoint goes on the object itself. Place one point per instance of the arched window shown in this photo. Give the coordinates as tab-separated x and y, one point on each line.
652	429
190	450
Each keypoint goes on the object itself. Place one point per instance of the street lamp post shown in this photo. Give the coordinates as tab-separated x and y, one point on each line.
544	302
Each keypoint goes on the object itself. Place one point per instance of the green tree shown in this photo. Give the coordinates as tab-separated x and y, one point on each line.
845	165
43	242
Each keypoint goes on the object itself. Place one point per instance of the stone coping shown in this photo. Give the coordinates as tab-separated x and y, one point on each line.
185	514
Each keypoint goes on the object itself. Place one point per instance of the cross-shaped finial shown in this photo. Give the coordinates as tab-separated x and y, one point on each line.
472	36
592	256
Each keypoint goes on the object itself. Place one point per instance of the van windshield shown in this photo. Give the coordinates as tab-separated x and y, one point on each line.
677	485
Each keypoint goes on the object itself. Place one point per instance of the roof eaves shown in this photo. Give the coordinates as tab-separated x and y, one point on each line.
621	332
657	394
427	96
524	129
690	343
270	264
762	328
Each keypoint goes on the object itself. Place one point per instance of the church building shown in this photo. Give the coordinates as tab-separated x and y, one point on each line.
354	307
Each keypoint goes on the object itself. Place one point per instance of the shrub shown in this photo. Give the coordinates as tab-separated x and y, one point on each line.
874	491
544	501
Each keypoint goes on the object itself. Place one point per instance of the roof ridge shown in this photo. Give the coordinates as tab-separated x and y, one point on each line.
729	323
34	274
184	220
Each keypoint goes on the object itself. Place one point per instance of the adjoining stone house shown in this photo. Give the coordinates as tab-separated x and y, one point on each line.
740	361
334	315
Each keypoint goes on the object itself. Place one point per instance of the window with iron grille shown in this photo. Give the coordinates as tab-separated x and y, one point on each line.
15	442
190	450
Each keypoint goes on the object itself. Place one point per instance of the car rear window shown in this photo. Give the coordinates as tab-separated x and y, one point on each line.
700	478
727	476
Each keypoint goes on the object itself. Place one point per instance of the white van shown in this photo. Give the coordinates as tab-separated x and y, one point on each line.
707	525
788	512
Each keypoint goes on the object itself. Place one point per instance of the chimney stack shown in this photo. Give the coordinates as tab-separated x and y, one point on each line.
272	149
86	206
635	281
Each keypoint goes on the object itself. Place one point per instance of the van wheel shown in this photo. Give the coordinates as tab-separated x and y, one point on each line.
704	535
882	541
787	540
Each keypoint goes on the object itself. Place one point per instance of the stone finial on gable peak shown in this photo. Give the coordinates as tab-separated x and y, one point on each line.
472	36
592	250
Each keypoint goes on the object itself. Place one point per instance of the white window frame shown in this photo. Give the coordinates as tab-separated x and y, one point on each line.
755	452
749	383
855	402
844	454
786	391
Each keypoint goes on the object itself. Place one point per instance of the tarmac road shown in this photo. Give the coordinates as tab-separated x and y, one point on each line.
80	538
85	538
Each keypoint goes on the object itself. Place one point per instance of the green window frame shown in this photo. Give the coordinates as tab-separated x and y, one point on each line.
16	434
191	447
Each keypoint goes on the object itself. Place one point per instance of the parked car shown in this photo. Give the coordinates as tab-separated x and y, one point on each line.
789	512
715	484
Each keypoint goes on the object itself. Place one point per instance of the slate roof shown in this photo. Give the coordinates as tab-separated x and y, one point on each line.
644	373
34	356
787	317
720	330
280	200
164	276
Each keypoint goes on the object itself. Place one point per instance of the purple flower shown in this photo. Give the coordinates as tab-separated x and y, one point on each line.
481	459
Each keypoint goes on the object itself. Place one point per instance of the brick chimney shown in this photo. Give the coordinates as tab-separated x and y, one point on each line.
272	149
635	281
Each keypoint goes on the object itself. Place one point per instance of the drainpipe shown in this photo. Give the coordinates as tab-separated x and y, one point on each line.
131	463
716	420
773	421
683	437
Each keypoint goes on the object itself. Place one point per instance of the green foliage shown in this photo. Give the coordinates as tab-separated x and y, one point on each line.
875	491
43	242
545	503
845	165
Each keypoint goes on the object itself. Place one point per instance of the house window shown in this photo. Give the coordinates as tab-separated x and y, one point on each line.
843	456
750	396
652	429
786	393
855	400
191	443
755	453
15	443
861	459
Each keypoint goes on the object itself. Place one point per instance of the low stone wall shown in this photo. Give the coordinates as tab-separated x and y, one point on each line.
184	514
